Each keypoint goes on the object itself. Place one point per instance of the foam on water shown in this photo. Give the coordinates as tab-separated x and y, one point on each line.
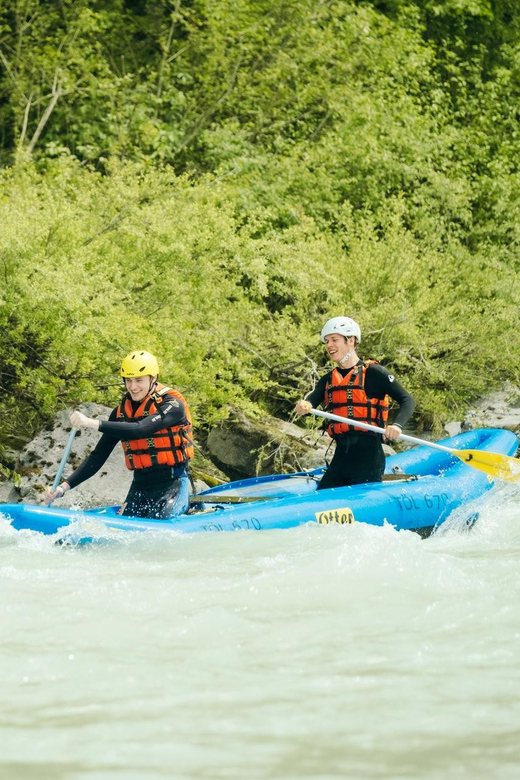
319	652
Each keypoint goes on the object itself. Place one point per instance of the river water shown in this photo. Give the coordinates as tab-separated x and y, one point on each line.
319	652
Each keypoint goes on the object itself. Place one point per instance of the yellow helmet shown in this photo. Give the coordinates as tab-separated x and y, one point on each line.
139	364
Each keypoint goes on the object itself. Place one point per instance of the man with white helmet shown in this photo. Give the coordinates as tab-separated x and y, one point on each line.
153	424
357	389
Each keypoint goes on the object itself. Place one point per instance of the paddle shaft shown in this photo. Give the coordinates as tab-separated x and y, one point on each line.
367	427
64	459
213	499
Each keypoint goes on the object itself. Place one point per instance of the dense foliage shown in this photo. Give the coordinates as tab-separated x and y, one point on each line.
211	179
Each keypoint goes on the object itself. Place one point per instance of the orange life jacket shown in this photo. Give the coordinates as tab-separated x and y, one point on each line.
168	446
346	396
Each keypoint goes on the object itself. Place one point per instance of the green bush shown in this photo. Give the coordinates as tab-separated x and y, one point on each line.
213	180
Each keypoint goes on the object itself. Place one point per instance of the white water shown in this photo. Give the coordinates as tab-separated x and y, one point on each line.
331	652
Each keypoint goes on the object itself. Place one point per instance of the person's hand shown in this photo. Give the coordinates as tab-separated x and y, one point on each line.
392	432
303	407
79	420
52	495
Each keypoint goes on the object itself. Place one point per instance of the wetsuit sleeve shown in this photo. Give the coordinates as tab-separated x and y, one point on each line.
173	413
95	460
316	396
380	382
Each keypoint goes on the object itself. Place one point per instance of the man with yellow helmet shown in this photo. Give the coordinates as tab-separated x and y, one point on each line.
357	389
153	424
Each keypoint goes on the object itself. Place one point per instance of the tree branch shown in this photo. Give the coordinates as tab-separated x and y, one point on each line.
56	94
212	110
167	48
25	120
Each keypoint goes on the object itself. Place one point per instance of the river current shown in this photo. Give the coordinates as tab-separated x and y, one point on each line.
319	652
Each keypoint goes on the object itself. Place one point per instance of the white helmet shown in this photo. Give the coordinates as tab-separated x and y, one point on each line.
342	325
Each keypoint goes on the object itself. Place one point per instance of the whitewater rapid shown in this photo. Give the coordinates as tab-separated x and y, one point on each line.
318	652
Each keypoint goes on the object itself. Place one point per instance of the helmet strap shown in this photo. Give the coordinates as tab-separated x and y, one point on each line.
349	354
346	357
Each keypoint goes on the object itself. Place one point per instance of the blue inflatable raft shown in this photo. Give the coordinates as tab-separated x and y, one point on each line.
423	487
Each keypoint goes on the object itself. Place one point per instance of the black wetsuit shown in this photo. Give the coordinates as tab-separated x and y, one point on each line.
153	491
359	457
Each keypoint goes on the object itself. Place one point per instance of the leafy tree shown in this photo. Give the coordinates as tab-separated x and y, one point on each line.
212	179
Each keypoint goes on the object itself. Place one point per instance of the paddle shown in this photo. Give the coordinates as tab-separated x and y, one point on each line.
64	459
501	466
201	499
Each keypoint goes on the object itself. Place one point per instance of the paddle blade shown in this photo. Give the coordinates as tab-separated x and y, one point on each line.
499	466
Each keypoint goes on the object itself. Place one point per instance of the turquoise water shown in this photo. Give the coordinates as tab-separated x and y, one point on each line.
330	652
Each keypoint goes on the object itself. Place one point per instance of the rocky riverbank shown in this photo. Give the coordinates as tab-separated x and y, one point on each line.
237	448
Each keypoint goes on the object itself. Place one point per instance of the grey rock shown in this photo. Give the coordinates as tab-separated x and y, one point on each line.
242	447
388	450
499	409
8	493
453	428
40	460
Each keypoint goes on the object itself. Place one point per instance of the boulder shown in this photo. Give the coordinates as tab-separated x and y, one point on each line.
39	462
244	448
453	428
499	409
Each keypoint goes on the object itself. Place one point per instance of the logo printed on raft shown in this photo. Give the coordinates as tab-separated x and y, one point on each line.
344	516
